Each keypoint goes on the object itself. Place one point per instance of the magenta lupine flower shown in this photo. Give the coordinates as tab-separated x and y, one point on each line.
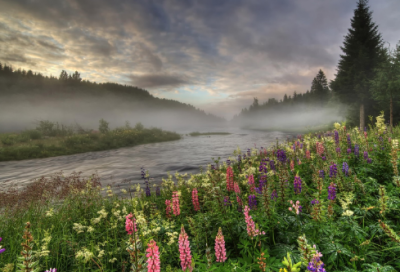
184	250
336	137
308	155
175	204
1	249
281	155
345	169
130	225
297	184
251	183
251	227
365	155
168	208
51	270
236	188
153	257
252	202
332	191
195	200
316	265
239	201
296	206
320	148
229	179
333	170
220	251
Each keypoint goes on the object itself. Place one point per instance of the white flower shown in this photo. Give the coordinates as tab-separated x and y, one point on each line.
348	213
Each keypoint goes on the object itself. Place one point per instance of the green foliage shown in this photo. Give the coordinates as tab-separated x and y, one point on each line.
103	126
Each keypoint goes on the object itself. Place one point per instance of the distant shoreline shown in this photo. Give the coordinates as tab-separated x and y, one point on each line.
196	133
292	130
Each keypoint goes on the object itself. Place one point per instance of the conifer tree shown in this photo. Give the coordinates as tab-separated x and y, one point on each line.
361	55
320	89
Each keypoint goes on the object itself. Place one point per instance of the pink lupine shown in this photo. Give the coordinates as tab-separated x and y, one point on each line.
297	207
308	154
220	251
229	179
195	200
168	208
175	204
239	201
320	148
129	224
292	165
251	183
236	188
153	257
184	250
251	227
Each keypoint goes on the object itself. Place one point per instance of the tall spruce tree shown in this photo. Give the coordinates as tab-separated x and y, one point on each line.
320	89
362	54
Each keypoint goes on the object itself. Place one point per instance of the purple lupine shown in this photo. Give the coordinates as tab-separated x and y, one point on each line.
281	155
336	137
321	174
315	201
228	162
263	180
369	160
297	185
356	150
316	265
348	140
365	129
2	249
252	202
323	158
227	202
301	145
51	270
365	155
337	149
274	195
348	150
148	193
333	170
345	169
158	191
272	164
332	191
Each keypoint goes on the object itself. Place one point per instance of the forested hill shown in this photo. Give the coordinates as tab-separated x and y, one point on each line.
32	96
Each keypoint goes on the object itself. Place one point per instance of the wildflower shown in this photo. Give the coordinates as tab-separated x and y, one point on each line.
227	202
297	184
316	265
369	160
348	150
239	201
1	249
251	183
184	250
292	165
168	208
274	195
338	150
313	202
336	137
365	155
251	228
229	179
348	140
158	191
252	202
51	270
228	162
345	169
272	165
195	200
236	188
356	150
281	155
333	170
321	174
153	257
332	191
296	206
320	148
130	225
175	204
308	154
220	251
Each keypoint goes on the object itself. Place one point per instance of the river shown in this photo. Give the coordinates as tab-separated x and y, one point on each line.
123	165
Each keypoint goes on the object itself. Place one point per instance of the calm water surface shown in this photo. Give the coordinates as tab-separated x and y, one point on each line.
123	165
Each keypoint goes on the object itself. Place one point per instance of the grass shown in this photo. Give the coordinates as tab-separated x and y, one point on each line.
301	130
351	217
196	133
40	143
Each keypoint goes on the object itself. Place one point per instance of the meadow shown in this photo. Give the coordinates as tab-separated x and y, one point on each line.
327	201
51	139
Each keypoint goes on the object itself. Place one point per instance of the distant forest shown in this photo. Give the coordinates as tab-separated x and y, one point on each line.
37	91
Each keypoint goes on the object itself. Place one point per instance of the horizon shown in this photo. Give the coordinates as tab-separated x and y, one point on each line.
194	53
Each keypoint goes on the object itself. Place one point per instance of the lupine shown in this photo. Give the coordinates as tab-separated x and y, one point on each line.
338	150
333	170
175	204
251	227
321	174
236	188
313	202
297	184
348	140
168	208
336	137
195	200
1	249
345	169
292	165
274	195
184	251
153	257
320	148
239	201
228	162
146	181
348	150
356	150
158	191
316	265
369	160
365	155
130	225
332	191
220	251
229	179
296	206
272	165
308	155
252	201
227	202
251	183
51	270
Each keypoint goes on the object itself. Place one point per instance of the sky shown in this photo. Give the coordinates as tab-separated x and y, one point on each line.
214	54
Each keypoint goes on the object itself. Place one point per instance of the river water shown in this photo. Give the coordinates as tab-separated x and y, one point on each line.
123	165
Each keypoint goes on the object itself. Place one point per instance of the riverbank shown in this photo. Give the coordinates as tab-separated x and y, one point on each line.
33	144
196	133
299	130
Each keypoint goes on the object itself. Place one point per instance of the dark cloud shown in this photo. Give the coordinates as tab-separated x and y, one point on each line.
158	81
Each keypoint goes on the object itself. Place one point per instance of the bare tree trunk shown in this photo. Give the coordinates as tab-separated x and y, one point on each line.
391	113
362	123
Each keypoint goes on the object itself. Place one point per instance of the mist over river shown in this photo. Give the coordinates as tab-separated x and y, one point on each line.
123	165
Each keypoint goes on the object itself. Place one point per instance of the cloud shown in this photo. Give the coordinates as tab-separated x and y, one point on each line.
152	81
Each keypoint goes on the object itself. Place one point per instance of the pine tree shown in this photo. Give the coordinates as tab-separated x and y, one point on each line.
319	88
361	56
